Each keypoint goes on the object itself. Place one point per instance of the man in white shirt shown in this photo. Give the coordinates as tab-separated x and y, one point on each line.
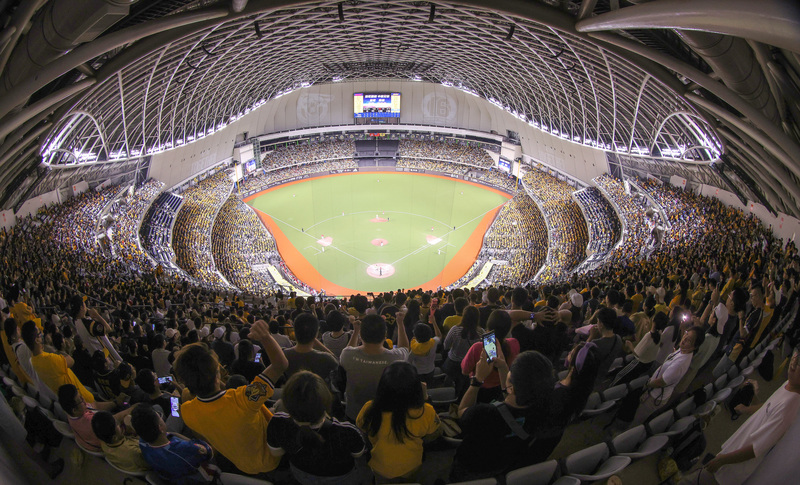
747	447
659	388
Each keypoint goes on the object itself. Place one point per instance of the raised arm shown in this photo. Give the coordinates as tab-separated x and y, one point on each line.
356	334
277	359
402	338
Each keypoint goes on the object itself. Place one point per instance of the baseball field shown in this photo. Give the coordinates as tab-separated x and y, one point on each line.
378	231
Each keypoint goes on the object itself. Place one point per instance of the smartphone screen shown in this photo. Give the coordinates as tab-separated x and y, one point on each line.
258	357
164	380
176	406
490	346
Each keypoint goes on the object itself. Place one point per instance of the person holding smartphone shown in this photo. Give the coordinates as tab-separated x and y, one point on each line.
504	435
499	325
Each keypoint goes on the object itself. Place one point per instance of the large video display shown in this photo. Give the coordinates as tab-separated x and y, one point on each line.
376	105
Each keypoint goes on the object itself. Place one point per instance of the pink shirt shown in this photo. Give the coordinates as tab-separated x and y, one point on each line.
474	353
82	427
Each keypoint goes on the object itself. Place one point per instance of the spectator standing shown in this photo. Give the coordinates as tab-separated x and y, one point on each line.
363	364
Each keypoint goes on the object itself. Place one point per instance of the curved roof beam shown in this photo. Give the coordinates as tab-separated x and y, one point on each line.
740	18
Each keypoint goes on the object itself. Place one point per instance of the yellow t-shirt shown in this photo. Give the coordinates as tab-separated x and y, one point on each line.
449	323
637	302
53	371
390	458
22	313
234	422
421	348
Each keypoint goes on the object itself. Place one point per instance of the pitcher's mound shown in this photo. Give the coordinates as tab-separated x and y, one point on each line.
380	270
379	242
325	241
432	239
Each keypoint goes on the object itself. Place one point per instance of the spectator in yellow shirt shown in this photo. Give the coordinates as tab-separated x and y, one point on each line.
233	421
53	369
397	422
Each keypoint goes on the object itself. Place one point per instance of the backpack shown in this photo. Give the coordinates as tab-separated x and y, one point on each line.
691	445
743	395
766	366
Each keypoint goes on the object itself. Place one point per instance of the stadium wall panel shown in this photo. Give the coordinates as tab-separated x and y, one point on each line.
421	103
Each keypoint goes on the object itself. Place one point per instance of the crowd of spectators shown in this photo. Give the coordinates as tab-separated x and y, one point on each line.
263	178
449	150
240	241
191	235
78	232
567	227
518	235
116	331
307	152
632	210
128	216
604	226
157	225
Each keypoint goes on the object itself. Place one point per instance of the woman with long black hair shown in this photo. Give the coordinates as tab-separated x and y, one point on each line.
397	422
458	342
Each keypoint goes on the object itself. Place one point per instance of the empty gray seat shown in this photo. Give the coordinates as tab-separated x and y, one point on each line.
660	423
538	474
594	463
635	443
685	407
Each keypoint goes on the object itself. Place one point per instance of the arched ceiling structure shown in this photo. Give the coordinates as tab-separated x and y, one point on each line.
109	82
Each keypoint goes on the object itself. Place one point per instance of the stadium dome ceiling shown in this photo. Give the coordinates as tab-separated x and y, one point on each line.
94	87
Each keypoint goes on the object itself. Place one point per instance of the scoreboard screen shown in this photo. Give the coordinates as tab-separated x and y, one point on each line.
376	105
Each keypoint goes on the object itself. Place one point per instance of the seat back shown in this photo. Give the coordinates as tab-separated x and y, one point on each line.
733	372
586	461
660	423
539	474
722	366
61	415
638	383
593	401
629	441
615	393
685	408
720	382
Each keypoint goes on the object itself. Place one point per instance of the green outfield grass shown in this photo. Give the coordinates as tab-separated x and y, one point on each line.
343	208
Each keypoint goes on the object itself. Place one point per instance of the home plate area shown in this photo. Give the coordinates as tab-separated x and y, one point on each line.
379	242
325	241
380	270
433	239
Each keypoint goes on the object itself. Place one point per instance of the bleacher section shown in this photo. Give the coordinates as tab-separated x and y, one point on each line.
156	229
192	232
604	226
567	230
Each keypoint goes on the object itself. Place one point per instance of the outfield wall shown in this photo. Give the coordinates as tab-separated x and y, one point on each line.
427	104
